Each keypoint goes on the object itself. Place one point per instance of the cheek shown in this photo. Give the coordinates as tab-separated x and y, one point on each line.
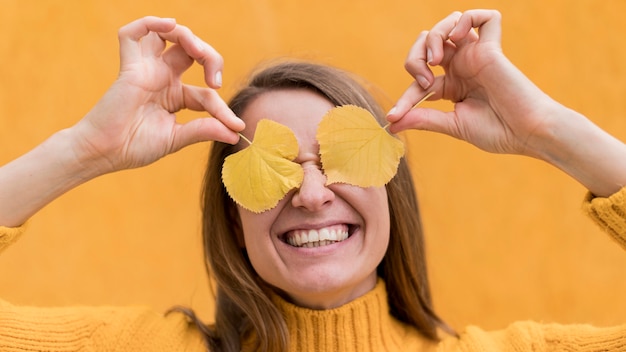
371	203
257	242
381	217
255	228
375	212
255	225
255	237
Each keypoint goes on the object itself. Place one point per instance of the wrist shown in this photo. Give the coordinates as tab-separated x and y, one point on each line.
77	160
577	146
35	179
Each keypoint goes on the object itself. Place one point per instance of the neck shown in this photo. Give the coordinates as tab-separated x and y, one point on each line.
363	324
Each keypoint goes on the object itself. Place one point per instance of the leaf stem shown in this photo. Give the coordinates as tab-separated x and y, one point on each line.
244	138
414	106
423	99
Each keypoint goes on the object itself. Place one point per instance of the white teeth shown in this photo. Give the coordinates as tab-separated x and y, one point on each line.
324	234
318	238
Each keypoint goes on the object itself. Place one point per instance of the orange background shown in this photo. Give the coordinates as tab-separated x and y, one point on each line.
506	237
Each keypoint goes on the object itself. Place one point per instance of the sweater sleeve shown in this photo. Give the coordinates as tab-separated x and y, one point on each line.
95	329
91	328
532	336
609	213
8	235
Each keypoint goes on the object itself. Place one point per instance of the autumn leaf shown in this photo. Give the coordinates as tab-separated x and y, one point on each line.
355	149
260	175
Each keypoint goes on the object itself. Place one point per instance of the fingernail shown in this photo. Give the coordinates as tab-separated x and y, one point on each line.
392	111
218	78
429	56
423	82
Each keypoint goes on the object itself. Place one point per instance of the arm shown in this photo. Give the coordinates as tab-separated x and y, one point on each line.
497	108
102	328
134	123
532	336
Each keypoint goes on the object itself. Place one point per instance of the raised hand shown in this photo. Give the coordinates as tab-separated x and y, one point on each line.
496	107
134	124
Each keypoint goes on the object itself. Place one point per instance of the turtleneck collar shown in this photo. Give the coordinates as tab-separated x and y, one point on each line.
364	324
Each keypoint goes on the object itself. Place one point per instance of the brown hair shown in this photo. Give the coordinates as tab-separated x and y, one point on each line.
243	308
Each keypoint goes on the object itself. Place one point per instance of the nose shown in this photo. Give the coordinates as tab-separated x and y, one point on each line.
313	194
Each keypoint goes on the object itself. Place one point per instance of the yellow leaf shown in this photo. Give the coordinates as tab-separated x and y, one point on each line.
355	149
260	175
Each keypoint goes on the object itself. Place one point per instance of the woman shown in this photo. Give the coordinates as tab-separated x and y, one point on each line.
272	294
298	95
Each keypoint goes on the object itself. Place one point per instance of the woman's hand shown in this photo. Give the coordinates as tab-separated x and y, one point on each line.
134	124
496	107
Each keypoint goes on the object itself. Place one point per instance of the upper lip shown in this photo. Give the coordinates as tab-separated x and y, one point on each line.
313	226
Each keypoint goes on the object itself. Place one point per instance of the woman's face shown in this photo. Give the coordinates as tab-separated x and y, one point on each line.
283	243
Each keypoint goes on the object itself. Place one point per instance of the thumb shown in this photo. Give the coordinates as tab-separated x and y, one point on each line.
413	96
202	130
427	119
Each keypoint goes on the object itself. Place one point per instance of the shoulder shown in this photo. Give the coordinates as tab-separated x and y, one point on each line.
533	336
96	328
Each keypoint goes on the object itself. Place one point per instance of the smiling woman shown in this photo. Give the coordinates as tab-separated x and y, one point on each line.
298	95
331	266
325	276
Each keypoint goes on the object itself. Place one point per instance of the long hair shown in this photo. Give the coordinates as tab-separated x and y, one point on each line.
243	308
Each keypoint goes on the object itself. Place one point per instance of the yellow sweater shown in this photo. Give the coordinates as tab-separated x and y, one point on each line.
362	325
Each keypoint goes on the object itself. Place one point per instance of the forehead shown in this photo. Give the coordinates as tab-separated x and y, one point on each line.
299	109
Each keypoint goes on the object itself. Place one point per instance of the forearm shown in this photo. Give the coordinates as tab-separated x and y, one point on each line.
587	153
29	183
561	136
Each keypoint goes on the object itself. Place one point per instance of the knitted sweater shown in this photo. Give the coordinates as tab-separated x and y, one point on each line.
361	325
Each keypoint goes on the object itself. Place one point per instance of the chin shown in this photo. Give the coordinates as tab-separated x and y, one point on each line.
324	291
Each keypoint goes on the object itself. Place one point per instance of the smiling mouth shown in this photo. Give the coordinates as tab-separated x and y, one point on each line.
317	237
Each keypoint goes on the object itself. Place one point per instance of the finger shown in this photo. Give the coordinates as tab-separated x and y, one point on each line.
488	23
429	49
200	51
201	130
416	63
131	34
438	35
414	94
428	120
205	99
